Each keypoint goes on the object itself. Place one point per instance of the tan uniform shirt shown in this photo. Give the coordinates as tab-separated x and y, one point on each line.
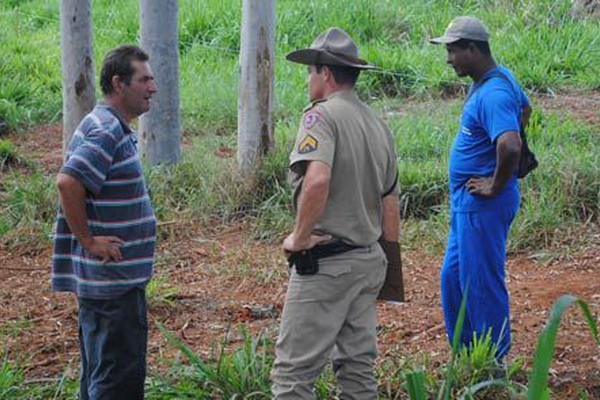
346	134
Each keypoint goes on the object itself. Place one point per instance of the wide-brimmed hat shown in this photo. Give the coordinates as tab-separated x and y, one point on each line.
332	47
463	28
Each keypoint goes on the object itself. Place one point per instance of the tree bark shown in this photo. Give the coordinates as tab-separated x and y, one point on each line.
255	101
586	9
160	130
77	64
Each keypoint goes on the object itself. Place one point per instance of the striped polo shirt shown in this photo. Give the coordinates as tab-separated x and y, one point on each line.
103	157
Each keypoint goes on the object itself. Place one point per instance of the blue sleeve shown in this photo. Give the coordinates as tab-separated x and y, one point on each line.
499	112
91	157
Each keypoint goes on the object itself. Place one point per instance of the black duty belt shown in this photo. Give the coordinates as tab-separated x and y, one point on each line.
331	249
307	261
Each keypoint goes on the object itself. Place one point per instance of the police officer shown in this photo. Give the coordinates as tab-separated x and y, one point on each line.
483	184
343	170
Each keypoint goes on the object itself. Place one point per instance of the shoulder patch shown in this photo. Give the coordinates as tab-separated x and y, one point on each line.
308	144
310	119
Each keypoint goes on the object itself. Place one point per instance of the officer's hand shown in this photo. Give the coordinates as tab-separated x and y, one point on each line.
482	187
104	247
292	243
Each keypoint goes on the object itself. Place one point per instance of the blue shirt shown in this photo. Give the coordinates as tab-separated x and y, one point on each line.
492	109
103	157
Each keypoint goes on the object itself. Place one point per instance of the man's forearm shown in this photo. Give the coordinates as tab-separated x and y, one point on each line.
508	151
312	205
73	203
313	198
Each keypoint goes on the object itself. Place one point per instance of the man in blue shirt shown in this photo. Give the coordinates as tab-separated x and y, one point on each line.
106	230
484	191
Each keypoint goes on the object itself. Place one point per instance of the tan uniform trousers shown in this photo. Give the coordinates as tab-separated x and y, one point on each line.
333	310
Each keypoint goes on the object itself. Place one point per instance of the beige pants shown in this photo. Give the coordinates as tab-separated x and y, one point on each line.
332	310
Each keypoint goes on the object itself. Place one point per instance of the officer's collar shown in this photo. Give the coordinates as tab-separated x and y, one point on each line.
343	93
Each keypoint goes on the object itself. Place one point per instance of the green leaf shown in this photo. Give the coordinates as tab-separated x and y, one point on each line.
415	385
538	382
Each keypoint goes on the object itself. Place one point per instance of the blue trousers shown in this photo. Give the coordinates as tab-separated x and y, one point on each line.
113	338
476	253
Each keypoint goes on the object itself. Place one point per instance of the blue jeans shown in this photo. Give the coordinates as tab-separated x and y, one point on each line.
113	337
476	254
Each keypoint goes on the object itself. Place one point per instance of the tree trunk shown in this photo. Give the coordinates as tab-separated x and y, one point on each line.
77	64
160	131
255	103
586	9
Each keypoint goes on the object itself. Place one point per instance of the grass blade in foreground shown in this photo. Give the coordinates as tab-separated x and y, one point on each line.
241	374
447	387
415	385
539	376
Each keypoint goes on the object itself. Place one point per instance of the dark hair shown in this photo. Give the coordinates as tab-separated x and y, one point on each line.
118	63
342	75
484	47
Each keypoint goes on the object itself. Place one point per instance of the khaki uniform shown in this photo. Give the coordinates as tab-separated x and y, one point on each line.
334	310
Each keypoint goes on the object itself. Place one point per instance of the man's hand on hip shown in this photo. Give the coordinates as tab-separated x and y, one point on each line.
293	244
104	247
483	187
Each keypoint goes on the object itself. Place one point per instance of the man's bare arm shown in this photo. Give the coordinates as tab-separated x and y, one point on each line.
73	202
508	151
311	205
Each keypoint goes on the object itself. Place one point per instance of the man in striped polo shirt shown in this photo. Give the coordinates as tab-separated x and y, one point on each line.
106	231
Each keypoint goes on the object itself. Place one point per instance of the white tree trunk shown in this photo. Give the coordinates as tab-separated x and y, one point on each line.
586	9
160	131
255	103
77	64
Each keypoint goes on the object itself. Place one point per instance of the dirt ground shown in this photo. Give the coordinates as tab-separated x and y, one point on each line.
225	279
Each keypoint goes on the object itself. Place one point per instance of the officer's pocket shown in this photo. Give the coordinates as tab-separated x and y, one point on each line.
334	270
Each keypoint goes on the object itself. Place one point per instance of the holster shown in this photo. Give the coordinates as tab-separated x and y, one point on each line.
393	287
307	261
304	261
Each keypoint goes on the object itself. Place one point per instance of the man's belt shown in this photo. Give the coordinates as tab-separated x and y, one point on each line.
331	249
307	261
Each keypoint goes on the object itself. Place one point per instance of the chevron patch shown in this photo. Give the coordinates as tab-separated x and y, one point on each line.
308	144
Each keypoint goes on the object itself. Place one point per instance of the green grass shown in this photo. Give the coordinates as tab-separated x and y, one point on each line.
563	192
392	34
243	373
8	153
14	385
161	293
472	372
202	186
27	206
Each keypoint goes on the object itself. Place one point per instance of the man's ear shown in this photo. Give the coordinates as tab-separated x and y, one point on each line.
116	82
327	75
473	49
